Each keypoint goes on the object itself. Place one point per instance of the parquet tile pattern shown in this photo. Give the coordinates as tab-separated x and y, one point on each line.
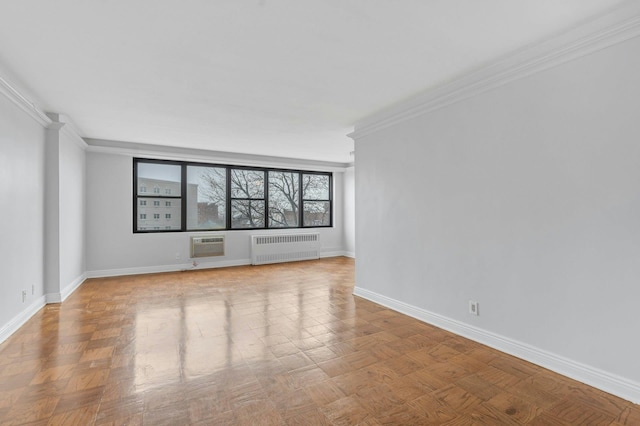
280	344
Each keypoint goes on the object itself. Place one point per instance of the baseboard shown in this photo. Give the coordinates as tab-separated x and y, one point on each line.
351	254
166	268
178	267
16	322
53	298
336	253
611	383
68	290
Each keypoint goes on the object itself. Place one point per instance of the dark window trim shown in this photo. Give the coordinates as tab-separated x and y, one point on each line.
228	167
330	201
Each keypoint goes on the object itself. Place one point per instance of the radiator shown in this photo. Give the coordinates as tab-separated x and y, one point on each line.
207	246
284	248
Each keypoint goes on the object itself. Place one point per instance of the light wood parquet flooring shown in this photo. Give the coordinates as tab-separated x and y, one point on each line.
280	344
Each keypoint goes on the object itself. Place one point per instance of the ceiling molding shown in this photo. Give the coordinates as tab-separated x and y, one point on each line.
618	25
162	152
65	125
72	133
17	98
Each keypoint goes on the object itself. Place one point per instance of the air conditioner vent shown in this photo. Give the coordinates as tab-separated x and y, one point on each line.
207	246
210	240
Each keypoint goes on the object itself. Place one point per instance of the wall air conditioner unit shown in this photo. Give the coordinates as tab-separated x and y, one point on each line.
207	246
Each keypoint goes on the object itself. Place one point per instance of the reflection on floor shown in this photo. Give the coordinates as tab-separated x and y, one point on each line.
272	345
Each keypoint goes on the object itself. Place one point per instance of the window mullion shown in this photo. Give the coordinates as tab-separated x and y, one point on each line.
228	197
183	198
330	200
265	195
300	200
135	195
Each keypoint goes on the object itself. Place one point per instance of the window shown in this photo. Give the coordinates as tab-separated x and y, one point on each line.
247	198
210	197
156	175
316	200
206	197
284	188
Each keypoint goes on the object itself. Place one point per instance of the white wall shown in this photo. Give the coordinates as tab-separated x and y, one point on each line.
349	212
65	210
525	198
42	200
72	203
113	248
52	216
22	216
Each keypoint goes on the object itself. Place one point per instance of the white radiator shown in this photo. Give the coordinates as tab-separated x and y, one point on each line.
207	246
284	248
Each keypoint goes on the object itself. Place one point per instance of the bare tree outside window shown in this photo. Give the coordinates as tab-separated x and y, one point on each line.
247	198
284	188
206	197
223	197
316	200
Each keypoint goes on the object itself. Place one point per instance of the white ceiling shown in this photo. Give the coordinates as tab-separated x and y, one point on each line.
273	77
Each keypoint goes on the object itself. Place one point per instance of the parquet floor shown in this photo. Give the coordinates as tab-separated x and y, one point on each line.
270	345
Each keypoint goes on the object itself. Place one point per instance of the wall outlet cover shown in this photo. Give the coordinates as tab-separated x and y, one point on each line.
474	307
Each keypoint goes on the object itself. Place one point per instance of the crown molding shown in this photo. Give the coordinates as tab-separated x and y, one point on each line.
71	132
616	26
64	124
14	95
162	152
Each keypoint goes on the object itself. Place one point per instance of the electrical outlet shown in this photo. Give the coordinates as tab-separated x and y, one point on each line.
474	307
177	255
24	296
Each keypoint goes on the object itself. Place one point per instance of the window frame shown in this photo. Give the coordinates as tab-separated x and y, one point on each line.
182	198
230	199
315	200
300	173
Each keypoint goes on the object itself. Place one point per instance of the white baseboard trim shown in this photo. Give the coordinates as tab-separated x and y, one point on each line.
174	268
16	322
351	254
68	290
336	253
166	268
611	383
53	298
